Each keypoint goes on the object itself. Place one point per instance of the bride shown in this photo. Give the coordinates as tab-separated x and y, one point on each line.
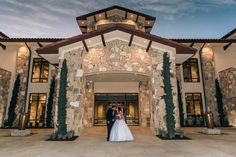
120	131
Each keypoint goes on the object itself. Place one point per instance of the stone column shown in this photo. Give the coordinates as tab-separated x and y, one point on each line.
228	87
89	101
144	100
5	78
158	104
209	76
75	91
22	63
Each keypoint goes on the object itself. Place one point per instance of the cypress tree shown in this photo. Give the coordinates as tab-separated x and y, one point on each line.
50	103
62	100
13	102
180	102
170	119
220	105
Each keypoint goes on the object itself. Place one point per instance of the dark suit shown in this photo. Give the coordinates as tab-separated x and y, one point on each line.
110	116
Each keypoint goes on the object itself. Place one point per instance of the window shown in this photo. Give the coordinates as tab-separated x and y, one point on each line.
40	71
37	107
190	70
194	109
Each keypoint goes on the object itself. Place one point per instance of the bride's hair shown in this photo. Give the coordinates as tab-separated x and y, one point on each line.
119	109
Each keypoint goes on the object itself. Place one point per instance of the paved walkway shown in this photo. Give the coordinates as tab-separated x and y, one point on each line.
93	144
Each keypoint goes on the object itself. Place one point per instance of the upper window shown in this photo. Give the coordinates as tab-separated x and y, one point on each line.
40	70
190	70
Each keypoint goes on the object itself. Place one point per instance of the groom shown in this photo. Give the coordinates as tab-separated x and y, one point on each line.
110	116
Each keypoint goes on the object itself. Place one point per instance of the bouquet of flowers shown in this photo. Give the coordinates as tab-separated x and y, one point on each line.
118	117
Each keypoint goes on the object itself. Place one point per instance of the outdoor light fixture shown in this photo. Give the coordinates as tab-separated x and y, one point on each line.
22	52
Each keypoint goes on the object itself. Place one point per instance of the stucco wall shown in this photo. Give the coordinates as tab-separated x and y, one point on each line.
224	59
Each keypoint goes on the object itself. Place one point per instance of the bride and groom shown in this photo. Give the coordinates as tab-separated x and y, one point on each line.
117	129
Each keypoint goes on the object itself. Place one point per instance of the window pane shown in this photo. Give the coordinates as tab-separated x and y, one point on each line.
36	70
131	96
37	109
40	70
116	97
100	96
190	70
187	72
195	75
198	108
44	70
33	107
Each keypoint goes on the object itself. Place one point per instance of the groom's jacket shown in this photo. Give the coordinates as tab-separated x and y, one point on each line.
110	115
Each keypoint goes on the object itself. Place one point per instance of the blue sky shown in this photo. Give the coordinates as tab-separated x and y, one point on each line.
175	18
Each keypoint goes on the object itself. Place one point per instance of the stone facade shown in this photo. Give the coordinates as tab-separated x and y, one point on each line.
228	87
144	101
117	56
5	77
209	76
22	62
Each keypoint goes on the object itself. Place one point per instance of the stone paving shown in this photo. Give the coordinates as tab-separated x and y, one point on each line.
92	143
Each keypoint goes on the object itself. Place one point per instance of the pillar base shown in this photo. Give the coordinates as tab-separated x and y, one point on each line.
20	133
211	131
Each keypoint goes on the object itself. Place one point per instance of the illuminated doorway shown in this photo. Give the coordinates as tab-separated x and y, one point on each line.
127	101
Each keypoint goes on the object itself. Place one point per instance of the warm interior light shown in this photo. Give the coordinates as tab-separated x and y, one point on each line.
100	15
82	22
131	15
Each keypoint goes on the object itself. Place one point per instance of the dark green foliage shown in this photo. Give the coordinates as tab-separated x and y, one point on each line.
220	104
168	97
50	103
13	102
180	102
62	101
59	137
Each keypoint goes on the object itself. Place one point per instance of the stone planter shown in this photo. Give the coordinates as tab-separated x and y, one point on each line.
190	121
209	120
199	121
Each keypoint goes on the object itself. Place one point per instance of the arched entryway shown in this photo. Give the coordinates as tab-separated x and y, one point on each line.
130	91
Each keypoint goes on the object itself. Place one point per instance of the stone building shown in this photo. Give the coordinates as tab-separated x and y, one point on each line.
116	60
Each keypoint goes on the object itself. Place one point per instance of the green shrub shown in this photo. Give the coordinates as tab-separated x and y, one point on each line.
58	136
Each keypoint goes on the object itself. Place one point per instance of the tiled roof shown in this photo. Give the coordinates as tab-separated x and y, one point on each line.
30	39
53	48
229	34
205	40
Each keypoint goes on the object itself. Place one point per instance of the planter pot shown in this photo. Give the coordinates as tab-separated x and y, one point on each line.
23	120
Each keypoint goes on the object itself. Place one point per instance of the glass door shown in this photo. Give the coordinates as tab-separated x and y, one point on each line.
37	108
127	102
100	112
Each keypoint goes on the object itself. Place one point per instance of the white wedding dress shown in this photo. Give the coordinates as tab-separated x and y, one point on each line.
120	131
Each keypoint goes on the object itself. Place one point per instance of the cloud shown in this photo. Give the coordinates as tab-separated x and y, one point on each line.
45	17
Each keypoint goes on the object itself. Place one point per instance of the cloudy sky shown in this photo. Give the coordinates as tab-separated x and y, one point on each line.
175	18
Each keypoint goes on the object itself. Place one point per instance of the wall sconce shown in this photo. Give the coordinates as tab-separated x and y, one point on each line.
22	51
207	53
